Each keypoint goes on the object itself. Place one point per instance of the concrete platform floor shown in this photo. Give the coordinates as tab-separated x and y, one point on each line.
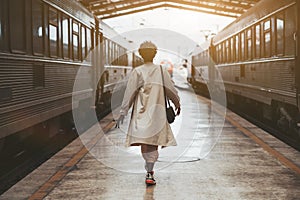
214	159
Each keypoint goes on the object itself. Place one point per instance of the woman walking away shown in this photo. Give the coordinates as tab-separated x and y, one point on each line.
148	126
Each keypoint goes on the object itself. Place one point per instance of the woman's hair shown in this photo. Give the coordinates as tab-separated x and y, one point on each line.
148	51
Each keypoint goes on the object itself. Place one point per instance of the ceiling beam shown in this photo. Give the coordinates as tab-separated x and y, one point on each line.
121	3
95	1
204	4
149	3
217	2
113	8
131	6
238	3
170	6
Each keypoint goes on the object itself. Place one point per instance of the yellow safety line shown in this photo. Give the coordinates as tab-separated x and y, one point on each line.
47	187
285	161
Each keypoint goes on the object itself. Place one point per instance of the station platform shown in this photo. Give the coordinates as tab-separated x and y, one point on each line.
219	156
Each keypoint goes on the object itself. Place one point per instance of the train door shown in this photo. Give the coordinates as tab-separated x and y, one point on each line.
97	54
211	66
216	86
297	64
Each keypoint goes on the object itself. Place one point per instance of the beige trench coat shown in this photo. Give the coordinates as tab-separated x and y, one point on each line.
148	123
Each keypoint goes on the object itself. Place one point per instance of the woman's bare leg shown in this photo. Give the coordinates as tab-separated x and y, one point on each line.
150	155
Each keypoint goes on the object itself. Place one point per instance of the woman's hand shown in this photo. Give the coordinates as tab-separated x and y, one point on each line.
119	120
178	111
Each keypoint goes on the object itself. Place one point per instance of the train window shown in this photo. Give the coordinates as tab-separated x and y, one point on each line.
106	51
1	35
223	52
88	40
290	29
217	54
117	54
227	51
257	41
53	32
65	36
267	38
1	30
38	76
3	24
267	25
83	42
267	46
249	44
121	57
112	53
17	26
37	28
112	58
219	59
75	27
111	50
242	46
232	49
280	34
237	47
75	41
1	19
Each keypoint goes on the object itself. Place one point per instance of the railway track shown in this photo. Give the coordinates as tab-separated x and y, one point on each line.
17	163
271	128
20	159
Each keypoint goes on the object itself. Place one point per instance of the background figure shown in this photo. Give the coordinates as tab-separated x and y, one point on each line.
168	65
148	125
185	62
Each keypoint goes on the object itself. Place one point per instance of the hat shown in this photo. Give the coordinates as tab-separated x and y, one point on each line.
148	45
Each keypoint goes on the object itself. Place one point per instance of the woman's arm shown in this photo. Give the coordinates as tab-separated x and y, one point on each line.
132	88
170	89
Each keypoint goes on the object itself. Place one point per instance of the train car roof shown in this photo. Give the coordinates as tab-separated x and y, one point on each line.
260	10
110	33
75	9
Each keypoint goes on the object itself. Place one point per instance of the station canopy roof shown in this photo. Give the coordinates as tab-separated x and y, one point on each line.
105	9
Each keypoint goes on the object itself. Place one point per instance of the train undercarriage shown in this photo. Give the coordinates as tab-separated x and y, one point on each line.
283	118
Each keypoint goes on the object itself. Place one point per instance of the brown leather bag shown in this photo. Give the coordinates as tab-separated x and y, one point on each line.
169	109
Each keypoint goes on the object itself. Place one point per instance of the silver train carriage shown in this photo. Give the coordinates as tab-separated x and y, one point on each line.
43	44
257	58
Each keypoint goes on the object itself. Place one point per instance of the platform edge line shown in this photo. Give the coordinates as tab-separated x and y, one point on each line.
52	182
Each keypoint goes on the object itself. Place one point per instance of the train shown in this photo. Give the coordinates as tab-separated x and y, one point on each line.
43	44
255	62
